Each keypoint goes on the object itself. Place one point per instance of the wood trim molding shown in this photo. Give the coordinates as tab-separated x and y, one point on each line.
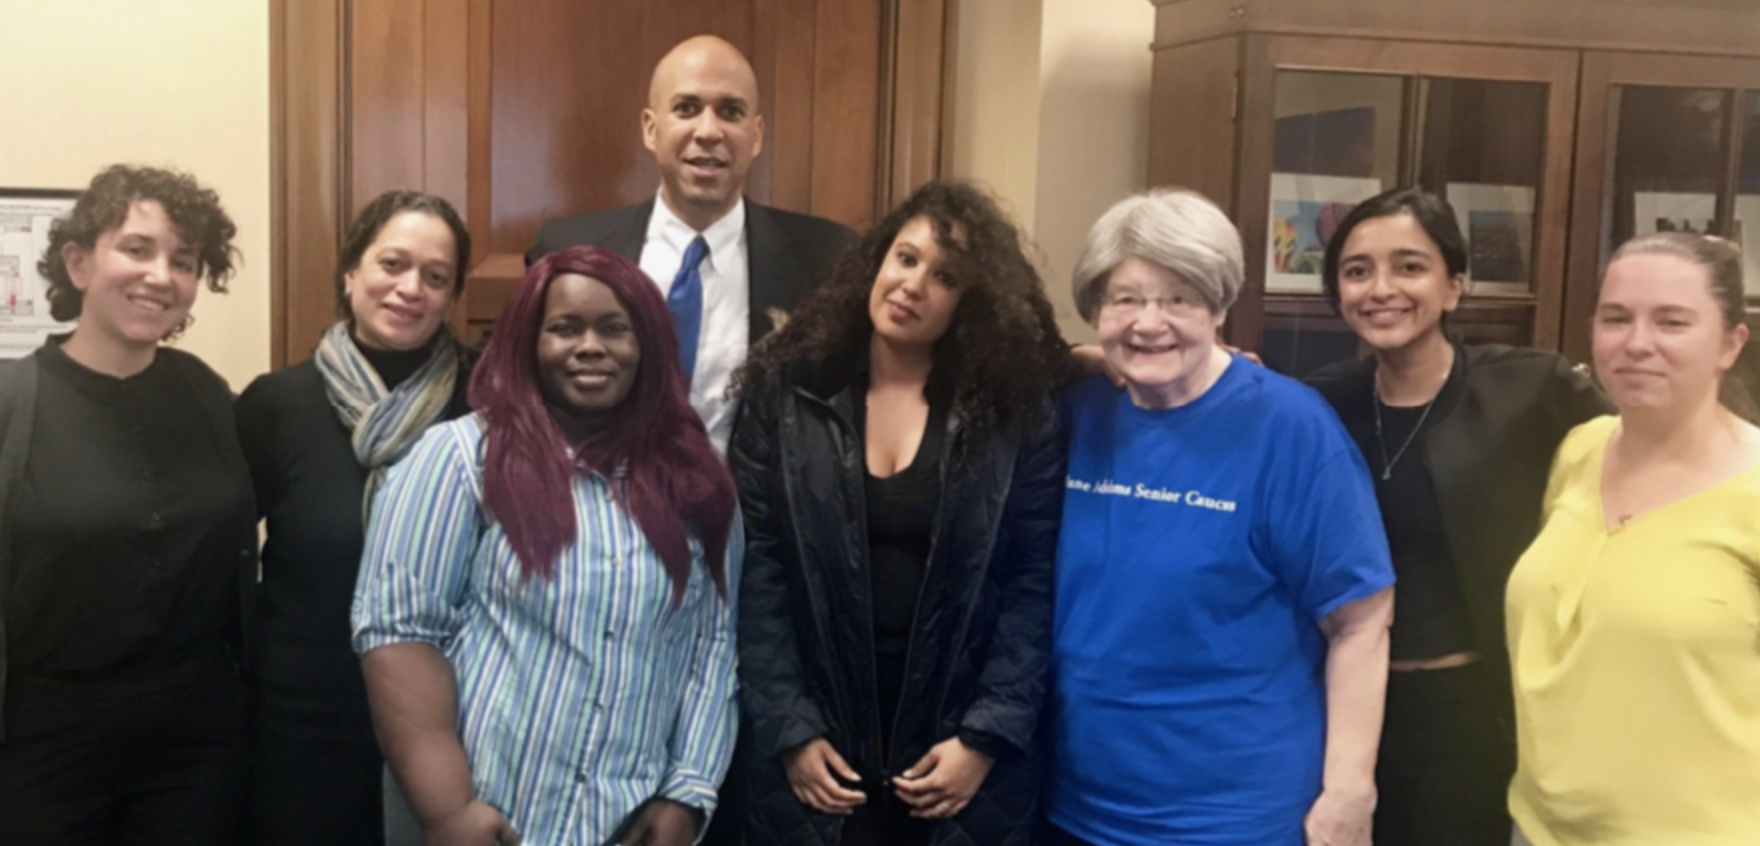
308	169
917	80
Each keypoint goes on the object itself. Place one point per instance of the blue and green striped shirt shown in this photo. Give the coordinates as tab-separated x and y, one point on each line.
580	696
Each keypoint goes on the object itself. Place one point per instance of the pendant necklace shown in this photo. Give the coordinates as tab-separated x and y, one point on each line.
1387	464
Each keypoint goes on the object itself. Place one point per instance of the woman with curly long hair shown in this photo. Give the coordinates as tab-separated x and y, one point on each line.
127	536
901	472
544	610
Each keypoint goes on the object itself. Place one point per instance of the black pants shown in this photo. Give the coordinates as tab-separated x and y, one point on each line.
884	821
1052	835
86	765
315	769
1447	755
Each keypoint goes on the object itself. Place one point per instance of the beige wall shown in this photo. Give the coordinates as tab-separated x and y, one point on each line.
1051	110
183	83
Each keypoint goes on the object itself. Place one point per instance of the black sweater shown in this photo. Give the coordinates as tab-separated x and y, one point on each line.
309	487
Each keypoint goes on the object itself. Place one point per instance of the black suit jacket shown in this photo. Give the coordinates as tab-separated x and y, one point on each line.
786	252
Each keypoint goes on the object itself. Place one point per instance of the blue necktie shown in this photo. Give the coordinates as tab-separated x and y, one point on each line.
686	301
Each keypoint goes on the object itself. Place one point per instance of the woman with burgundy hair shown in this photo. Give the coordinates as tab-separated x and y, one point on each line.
543	610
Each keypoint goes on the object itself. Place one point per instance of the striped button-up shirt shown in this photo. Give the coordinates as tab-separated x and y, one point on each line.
580	696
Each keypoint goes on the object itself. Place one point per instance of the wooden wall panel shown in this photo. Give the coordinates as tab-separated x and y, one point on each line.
446	101
387	105
569	81
846	111
786	76
521	111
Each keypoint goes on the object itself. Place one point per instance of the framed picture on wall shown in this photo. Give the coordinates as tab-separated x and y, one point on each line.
1305	210
1498	221
25	217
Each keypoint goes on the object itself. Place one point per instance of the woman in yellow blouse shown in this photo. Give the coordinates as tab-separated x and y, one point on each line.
1634	619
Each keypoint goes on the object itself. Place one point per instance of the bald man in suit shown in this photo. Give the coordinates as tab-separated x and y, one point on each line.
704	126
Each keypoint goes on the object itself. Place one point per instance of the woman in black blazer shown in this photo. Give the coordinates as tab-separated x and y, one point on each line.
319	437
1459	440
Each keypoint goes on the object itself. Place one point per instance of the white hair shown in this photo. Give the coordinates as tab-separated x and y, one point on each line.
1177	229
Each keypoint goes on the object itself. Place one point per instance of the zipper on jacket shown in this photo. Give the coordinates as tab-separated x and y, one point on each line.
859	514
910	648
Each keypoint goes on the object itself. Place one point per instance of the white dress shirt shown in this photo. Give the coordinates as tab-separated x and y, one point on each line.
727	305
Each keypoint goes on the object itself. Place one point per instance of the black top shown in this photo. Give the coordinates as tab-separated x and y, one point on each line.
1430	619
125	530
309	487
901	530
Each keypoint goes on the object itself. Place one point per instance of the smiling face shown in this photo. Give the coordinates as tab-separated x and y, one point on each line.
138	281
588	352
703	127
1659	338
1156	331
1394	285
915	293
406	281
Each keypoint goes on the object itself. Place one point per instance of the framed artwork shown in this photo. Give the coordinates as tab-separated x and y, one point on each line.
1498	221
25	217
1669	211
1305	210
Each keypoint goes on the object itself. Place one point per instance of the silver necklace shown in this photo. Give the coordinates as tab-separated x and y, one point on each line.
1387	464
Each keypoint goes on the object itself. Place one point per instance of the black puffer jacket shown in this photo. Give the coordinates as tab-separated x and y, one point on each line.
979	656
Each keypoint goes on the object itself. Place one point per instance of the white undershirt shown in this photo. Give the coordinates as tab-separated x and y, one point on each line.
721	347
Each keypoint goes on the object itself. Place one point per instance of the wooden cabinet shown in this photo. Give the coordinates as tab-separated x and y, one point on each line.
1542	121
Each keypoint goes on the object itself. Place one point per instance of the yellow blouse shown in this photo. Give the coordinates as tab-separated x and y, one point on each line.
1637	664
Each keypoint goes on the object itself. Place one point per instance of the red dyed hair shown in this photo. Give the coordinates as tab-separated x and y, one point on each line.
676	482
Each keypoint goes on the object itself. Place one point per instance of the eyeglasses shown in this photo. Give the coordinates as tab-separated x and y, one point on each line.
1133	305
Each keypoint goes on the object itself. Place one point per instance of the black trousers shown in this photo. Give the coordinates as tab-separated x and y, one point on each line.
1052	835
88	765
315	769
1446	759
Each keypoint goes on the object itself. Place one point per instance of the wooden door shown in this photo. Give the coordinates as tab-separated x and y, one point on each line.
520	111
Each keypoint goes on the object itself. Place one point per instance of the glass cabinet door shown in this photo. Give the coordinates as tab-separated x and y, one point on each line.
1341	138
1665	143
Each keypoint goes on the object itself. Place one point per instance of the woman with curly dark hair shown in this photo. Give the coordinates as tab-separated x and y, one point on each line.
901	472
127	536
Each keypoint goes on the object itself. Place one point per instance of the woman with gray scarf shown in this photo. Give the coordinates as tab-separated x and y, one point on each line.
319	437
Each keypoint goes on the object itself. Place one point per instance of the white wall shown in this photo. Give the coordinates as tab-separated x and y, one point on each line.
1051	110
181	83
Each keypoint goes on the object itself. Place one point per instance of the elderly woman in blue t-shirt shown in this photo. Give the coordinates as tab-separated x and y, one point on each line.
1223	583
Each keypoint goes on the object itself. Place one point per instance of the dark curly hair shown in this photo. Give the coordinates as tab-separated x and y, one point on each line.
1002	354
366	228
194	210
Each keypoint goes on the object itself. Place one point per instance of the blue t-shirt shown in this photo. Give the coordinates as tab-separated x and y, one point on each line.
1200	548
